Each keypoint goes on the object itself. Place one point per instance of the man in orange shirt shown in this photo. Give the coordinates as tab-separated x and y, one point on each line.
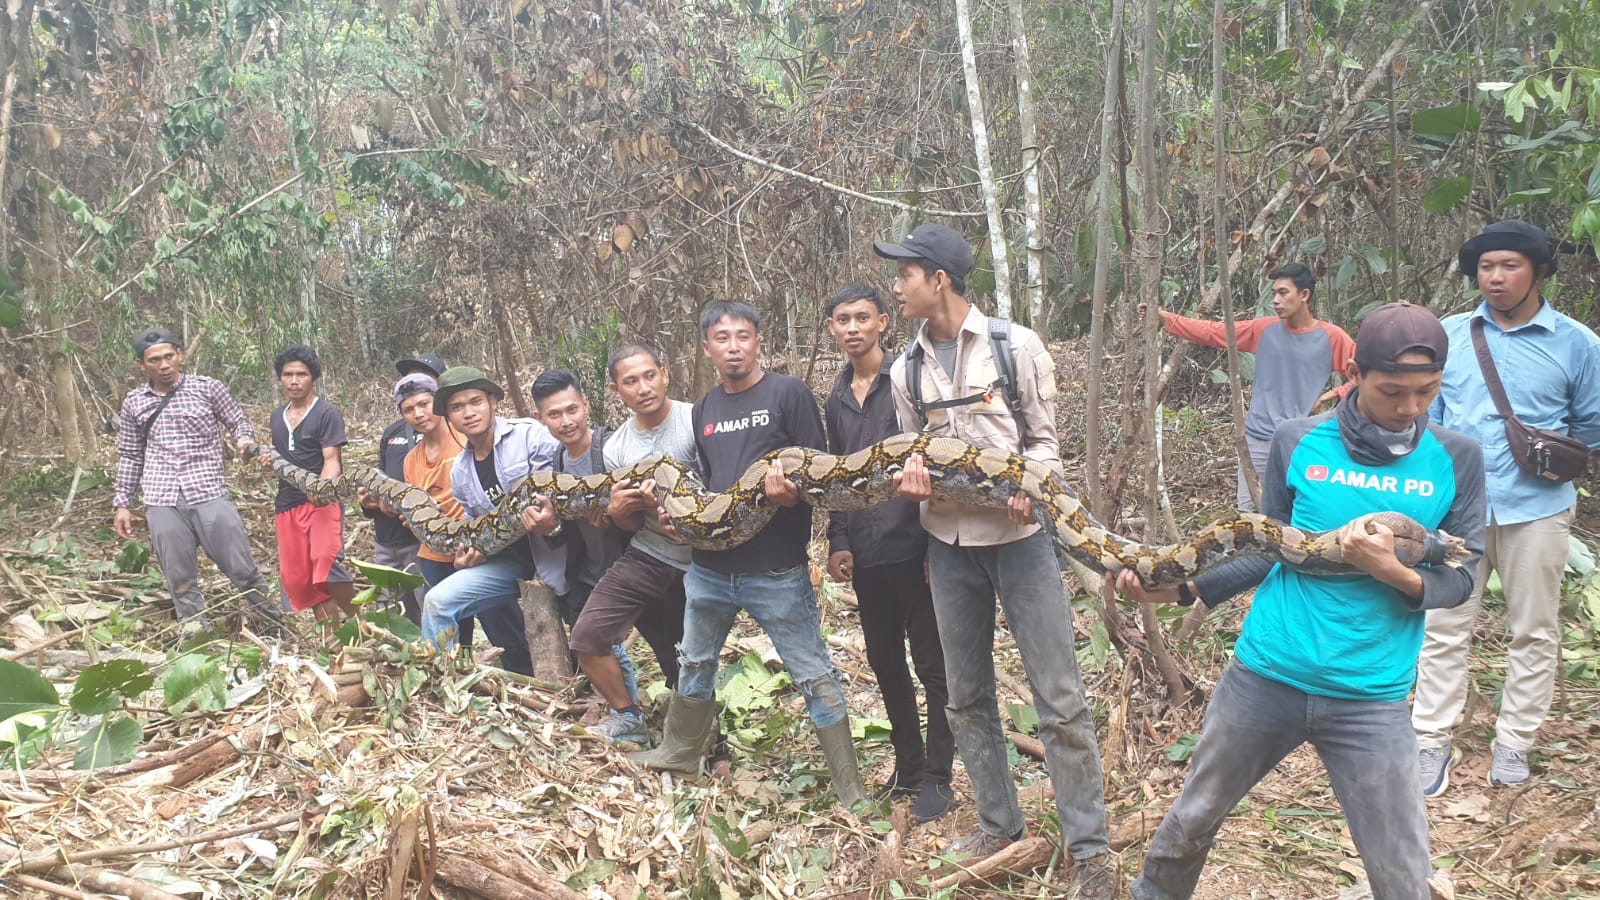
1295	355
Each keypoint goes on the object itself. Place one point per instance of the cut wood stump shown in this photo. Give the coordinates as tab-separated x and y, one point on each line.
547	634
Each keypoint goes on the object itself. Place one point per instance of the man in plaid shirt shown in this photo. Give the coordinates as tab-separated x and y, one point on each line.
169	450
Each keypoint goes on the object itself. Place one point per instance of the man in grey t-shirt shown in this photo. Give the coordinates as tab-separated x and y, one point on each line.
644	586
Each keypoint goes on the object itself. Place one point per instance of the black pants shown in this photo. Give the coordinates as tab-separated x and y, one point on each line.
895	607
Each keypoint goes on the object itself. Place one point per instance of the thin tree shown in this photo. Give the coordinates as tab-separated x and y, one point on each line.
980	148
1032	203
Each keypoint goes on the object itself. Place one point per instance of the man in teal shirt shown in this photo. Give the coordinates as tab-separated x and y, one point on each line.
1550	366
1329	659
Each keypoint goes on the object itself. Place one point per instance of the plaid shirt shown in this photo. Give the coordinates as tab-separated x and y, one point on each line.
184	451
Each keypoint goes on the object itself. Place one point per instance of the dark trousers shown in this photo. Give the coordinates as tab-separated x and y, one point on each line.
896	607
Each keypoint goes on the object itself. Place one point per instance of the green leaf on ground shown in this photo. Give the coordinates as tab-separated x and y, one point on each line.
1181	749
133	557
99	686
109	743
194	678
23	690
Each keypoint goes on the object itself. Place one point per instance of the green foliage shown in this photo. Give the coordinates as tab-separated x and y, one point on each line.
584	351
132	558
100	686
1181	749
194	678
112	740
24	690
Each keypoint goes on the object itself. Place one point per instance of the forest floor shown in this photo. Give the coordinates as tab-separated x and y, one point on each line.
284	768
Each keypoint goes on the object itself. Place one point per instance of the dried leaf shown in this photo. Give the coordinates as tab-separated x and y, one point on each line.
52	137
1317	157
623	237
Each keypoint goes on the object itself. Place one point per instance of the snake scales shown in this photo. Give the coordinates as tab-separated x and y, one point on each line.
959	472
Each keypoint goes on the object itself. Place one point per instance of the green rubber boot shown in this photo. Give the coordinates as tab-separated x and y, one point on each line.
683	737
839	748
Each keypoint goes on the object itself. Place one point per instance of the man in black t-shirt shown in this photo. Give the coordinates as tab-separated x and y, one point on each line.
309	432
393	543
750	413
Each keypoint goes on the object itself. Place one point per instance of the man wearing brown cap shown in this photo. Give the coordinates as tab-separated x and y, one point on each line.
951	382
1549	366
169	450
1329	660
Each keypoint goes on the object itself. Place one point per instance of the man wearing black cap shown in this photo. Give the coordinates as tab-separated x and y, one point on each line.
1329	660
975	554
169	450
1549	365
393	543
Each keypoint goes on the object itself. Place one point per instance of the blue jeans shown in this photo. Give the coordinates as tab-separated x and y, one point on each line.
1024	574
783	605
490	592
1251	724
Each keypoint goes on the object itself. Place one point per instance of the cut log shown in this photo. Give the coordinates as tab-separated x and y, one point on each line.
110	882
1018	859
216	756
470	876
1029	745
547	634
525	873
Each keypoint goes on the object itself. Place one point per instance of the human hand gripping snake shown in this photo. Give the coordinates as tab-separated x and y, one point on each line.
959	471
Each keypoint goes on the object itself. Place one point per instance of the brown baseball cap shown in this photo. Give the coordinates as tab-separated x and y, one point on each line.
1395	329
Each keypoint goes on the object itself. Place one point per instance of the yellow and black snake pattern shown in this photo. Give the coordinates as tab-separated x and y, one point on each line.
958	470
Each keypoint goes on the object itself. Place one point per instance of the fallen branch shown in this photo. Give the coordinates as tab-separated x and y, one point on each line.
528	874
111	883
56	858
1027	745
470	876
1018	859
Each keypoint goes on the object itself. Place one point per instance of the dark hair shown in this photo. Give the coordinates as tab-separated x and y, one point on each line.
299	353
728	309
630	350
553	382
854	291
1298	273
958	283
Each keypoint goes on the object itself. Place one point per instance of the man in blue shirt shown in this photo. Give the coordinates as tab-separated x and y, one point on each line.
1550	366
1329	659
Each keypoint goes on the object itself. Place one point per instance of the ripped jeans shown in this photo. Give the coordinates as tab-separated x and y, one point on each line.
783	604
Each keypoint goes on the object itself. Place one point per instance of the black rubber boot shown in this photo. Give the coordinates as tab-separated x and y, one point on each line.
839	748
683	737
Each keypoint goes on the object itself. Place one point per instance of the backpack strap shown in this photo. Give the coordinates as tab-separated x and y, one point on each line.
1006	382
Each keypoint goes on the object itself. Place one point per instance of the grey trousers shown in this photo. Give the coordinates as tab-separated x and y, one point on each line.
404	558
178	532
1251	725
1024	574
1259	450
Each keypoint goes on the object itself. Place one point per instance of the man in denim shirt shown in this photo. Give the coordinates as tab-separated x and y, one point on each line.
1550	366
500	453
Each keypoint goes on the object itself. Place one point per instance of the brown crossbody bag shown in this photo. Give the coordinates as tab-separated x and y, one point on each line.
1540	452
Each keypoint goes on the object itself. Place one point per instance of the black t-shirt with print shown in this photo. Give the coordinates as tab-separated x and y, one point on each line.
734	430
397	441
322	427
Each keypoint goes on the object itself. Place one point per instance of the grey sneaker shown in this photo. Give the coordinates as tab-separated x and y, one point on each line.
977	844
1509	766
623	726
1434	765
1094	878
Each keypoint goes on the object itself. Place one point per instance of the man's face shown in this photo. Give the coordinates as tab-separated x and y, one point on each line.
296	380
1505	277
1288	300
162	365
641	384
1396	399
857	325
471	412
417	410
566	414
733	347
917	292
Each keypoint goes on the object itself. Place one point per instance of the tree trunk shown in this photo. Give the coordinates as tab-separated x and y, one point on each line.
1033	212
980	147
1219	164
1103	240
1148	239
547	634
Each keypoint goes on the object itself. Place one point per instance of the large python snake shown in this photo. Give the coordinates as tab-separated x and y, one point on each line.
959	471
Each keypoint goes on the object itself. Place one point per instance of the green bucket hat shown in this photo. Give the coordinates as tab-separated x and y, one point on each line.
462	378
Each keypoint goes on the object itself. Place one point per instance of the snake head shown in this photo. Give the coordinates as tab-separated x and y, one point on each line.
1443	548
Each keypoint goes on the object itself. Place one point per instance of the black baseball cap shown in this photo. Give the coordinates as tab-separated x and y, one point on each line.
1512	234
429	362
150	337
939	244
1395	329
